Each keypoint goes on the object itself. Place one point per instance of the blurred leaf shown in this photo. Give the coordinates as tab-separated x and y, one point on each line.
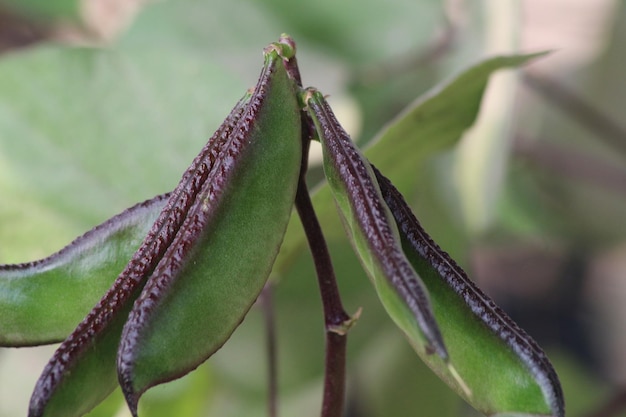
44	9
142	110
389	381
435	121
111	406
78	113
188	396
377	32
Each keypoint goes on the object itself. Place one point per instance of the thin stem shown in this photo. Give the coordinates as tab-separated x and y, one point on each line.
336	320
615	405
267	304
436	49
608	130
335	317
572	164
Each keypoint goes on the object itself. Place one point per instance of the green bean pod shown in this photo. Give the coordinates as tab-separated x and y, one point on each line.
81	373
487	359
506	371
226	186
71	281
223	254
373	232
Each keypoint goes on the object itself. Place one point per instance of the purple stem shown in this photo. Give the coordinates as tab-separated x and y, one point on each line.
267	304
335	317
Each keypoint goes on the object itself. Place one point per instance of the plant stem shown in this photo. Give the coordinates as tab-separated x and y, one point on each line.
615	405
334	315
608	130
336	320
267	304
571	163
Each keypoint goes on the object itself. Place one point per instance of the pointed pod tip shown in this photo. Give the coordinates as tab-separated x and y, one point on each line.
434	343
288	41
132	400
124	375
34	409
284	48
309	94
44	389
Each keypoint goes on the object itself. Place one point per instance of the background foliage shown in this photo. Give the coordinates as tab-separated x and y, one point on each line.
531	203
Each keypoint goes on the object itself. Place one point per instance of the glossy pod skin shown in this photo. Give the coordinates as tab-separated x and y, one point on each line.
70	282
200	255
81	373
372	230
221	259
208	200
506	370
489	361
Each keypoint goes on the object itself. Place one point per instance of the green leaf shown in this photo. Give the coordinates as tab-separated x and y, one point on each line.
67	10
130	122
70	282
436	121
378	33
505	371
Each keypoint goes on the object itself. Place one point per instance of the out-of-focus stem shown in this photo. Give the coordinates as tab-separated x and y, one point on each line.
580	110
615	405
267	304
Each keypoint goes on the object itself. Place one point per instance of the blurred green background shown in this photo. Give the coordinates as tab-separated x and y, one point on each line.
104	103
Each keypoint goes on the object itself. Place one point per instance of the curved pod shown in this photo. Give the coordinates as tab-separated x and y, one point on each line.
71	281
220	260
82	371
505	369
373	232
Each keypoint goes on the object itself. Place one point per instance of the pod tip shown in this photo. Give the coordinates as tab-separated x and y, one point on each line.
284	48
287	40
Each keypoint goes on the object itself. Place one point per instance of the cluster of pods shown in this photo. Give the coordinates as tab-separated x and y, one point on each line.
206	250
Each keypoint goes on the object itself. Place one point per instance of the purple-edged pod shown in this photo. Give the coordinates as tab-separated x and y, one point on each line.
82	371
373	232
219	261
505	371
42	301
